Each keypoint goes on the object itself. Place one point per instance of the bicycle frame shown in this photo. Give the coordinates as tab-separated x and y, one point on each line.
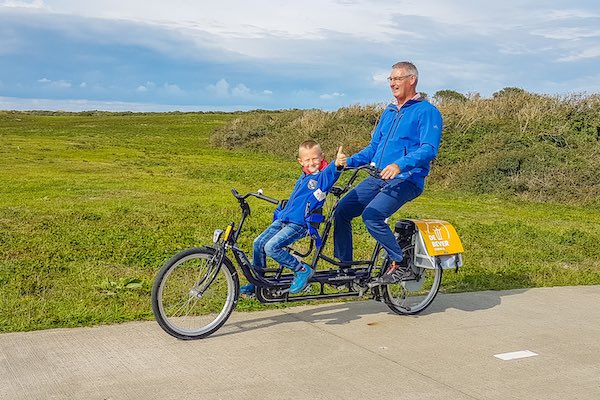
353	276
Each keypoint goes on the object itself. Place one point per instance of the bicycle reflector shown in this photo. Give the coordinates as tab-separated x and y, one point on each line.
228	231
217	235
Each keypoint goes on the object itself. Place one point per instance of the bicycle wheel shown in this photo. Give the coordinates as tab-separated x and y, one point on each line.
413	296
192	297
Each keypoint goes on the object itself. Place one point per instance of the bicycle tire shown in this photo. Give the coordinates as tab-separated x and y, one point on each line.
186	301
413	296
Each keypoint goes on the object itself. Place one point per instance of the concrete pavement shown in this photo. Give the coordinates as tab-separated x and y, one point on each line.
353	350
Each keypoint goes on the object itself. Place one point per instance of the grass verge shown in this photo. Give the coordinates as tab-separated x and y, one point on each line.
91	205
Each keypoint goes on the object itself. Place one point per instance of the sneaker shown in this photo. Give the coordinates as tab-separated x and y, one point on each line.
247	290
396	273
301	279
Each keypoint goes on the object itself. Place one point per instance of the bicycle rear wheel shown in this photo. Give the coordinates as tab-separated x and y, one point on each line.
192	297
415	295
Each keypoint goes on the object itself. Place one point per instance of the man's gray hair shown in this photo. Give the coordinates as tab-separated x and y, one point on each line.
408	67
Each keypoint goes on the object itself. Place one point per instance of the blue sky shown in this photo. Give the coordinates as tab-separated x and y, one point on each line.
237	55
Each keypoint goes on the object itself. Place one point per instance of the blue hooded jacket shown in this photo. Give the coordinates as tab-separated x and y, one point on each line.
308	195
408	136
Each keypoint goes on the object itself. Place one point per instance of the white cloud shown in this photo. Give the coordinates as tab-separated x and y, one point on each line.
238	18
55	84
558	14
149	85
309	19
567	33
166	88
224	89
380	77
172	89
591	52
221	88
23	4
331	96
240	90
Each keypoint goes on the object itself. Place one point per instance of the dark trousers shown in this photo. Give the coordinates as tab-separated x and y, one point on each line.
376	199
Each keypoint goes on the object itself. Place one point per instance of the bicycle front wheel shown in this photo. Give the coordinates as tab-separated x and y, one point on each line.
414	295
192	296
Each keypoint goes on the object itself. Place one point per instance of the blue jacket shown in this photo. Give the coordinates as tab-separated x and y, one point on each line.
409	137
308	195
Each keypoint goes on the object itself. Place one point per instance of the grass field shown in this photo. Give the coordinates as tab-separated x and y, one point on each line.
91	205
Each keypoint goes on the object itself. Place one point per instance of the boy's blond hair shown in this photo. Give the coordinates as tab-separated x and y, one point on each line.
309	144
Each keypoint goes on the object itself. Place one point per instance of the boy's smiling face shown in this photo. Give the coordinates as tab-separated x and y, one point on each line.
310	158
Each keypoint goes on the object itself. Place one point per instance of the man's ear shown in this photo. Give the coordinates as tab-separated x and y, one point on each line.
299	161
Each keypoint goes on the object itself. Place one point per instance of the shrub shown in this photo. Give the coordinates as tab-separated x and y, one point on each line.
544	148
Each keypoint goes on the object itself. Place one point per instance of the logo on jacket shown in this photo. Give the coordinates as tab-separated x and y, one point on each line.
320	195
312	184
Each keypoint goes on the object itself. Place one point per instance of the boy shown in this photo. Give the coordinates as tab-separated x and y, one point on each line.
291	222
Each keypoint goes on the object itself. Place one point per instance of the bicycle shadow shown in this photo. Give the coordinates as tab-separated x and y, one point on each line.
349	311
470	301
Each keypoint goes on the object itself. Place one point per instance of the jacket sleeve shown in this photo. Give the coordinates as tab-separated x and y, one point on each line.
328	177
430	134
366	155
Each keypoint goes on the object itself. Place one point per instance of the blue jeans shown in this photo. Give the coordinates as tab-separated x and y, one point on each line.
376	199
273	241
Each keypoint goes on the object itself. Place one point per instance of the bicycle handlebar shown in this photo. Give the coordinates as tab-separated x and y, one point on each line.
266	198
258	194
371	169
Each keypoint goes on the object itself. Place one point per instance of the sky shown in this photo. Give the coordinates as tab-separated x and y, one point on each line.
200	55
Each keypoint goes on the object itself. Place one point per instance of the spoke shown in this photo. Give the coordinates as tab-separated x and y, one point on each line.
184	318
210	263
183	308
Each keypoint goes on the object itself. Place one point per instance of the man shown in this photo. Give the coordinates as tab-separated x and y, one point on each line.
403	144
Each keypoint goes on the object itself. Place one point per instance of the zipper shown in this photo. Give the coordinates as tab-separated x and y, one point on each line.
391	131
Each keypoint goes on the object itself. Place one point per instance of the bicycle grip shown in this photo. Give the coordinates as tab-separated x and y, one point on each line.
267	198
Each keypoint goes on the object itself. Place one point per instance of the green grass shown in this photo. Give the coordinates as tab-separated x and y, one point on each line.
91	205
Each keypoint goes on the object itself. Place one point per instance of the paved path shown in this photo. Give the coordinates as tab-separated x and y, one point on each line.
355	350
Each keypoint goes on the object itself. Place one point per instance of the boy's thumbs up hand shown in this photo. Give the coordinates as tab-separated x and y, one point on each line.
340	158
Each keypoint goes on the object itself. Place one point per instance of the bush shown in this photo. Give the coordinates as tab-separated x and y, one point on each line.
543	148
279	133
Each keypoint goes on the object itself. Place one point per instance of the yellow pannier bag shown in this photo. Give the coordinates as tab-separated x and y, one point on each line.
435	242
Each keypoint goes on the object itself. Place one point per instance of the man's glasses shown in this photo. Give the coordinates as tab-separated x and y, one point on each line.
391	79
